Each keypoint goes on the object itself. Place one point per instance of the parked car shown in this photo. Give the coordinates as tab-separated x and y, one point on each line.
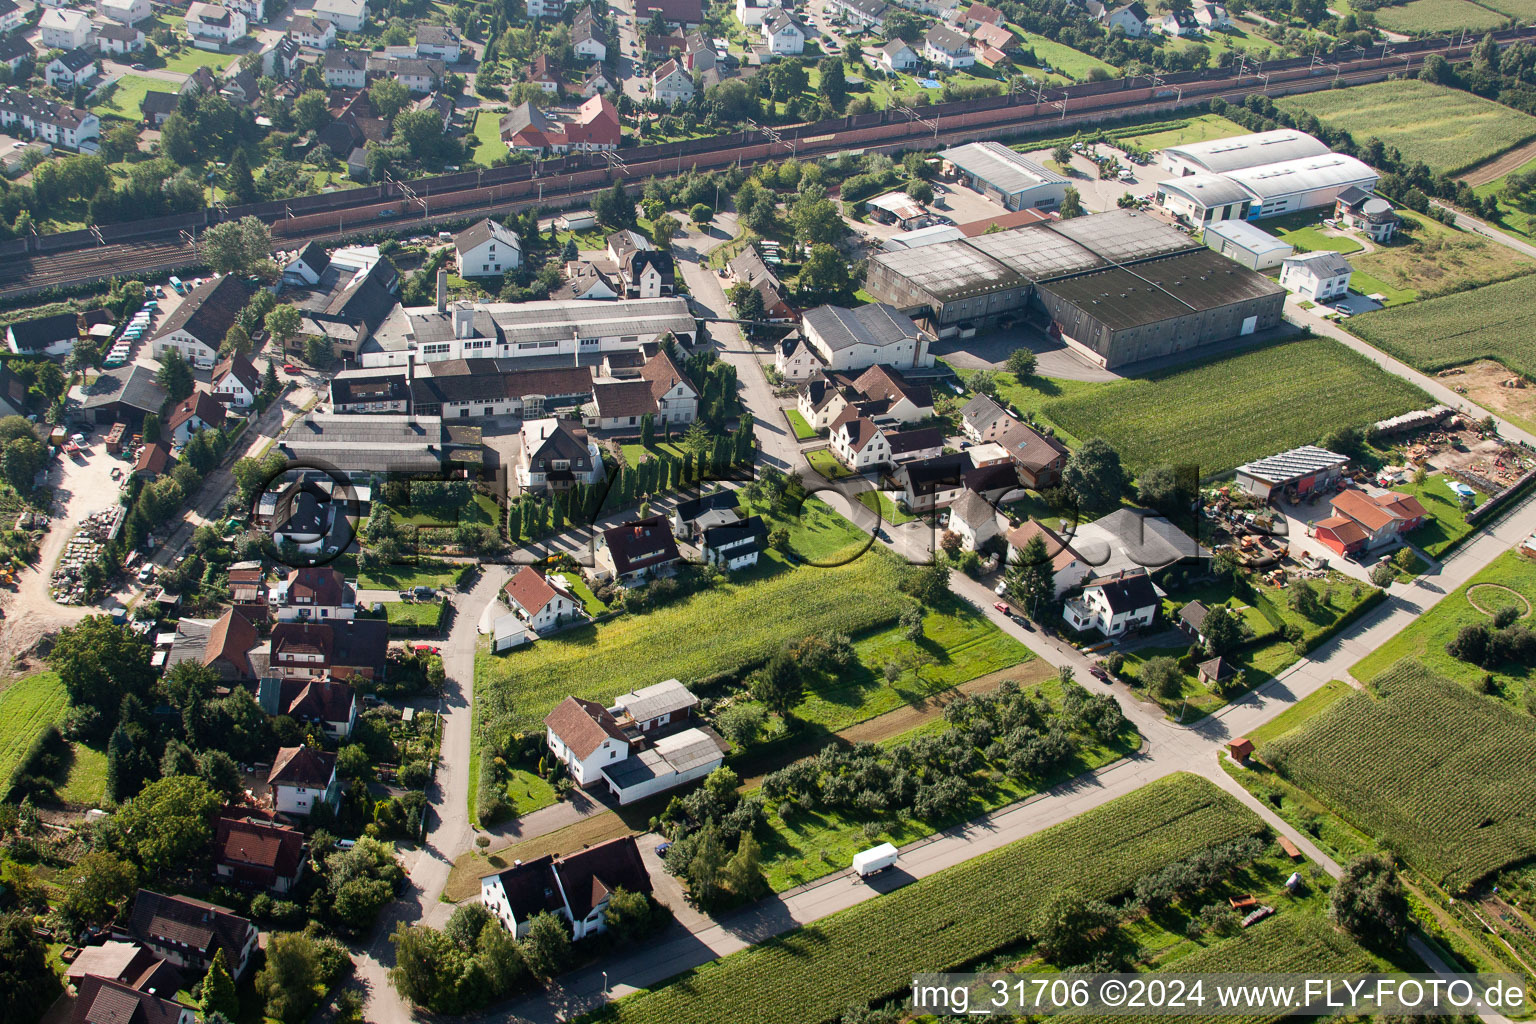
1002	606
1001	588
290	368
1098	672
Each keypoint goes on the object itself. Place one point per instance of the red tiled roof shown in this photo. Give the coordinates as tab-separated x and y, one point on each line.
1363	509
1345	529
530	591
1060	552
230	641
153	458
302	766
273	849
583	725
200	404
309	700
663	374
316	585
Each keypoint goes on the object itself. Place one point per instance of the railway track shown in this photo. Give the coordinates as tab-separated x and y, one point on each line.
359	211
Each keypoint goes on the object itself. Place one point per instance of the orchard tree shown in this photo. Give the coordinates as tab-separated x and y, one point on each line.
1095	476
1021	363
1369	902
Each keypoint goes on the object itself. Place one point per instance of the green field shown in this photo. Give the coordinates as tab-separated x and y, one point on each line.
1303	711
127	97
803	430
487	136
1310	239
1496	322
1522	10
1449	526
1426	638
27	707
1437	16
1513	218
868	953
86	783
1428	259
1062	57
730	626
423	614
1448	129
1447	776
1197	129
1222	413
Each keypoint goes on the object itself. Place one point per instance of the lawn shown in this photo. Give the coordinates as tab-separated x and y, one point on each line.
881	504
961	641
1031	396
1513	218
636	453
993	902
824	462
487	136
127	97
481	511
1197	129
727	628
86	783
817	535
1507	580
528	792
1220	414
1303	711
803	430
1428	258
579	588
1449	129
1061	57
1437	16
1449	527
426	572
27	707
1312	239
426	615
1495	322
1441	773
190	59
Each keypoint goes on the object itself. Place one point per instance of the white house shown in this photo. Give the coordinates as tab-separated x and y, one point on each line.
856	339
68	70
198	411
11	15
671	85
346	15
345	69
577	887
439	41
895	56
313	594
974	520
124	12
858	442
1212	16
1068	568
1180	25
539	602
303	778
588	38
315	33
236	380
586	737
1129	18
557	454
52	122
783	32
118	39
210	25
197	328
487	249
1316	276
947	48
750	12
545	8
1114	604
795	359
735	545
64	30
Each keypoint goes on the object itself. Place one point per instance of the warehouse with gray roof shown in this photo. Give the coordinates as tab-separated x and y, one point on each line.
1120	287
998	172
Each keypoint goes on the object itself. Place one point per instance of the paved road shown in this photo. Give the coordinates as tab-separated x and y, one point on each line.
1479	227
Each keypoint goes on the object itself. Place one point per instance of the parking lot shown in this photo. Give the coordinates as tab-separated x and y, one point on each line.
1100	195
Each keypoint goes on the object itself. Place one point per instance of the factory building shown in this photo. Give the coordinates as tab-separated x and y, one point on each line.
1266	190
1219	156
1248	244
999	173
1120	286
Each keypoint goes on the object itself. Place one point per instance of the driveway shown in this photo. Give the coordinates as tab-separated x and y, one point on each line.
990	349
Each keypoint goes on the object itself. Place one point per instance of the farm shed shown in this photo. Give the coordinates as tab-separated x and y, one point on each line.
1222	155
1240	748
1306	469
1247	244
999	173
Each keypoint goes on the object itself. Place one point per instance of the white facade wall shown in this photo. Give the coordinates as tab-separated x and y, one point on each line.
661	783
192	350
590	770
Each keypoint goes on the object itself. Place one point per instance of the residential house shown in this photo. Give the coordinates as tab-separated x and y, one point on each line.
197	328
1317	277
586	737
637	551
252	851
1039	459
595	82
735	545
345	69
56	123
588	38
118	39
1180	25
1360	210
692	517
977	15
45	335
15	50
1068	568
487	249
699	53
854	339
995	36
346	15
947	48
188	932
784	33
934	482
236	381
1130	19
125	963
330	705
315	593
858	442
539	602
820	401
255	11
1114	605
1212	17
979	416
900	399
543	73
677	400
583	280
303	778
211	26
648	274
1363	521
894	57
64	29
595	128
100	1000
913	445
224	645
556	455
243	87
338	649
868	14
199	411
440	42
419	75
11	15
154	458
671	85
315	33
576	887
751	12
680	13
157	106
975	520
545	8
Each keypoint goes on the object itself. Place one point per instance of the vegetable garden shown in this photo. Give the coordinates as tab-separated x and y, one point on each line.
1228	411
868	952
1446	775
1494	322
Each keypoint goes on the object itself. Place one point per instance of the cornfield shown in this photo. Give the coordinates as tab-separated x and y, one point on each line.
1448	776
1494	322
870	952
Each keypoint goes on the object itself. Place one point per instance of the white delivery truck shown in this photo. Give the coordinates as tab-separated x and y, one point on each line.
874	860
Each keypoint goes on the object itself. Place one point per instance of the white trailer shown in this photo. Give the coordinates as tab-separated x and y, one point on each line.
874	860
